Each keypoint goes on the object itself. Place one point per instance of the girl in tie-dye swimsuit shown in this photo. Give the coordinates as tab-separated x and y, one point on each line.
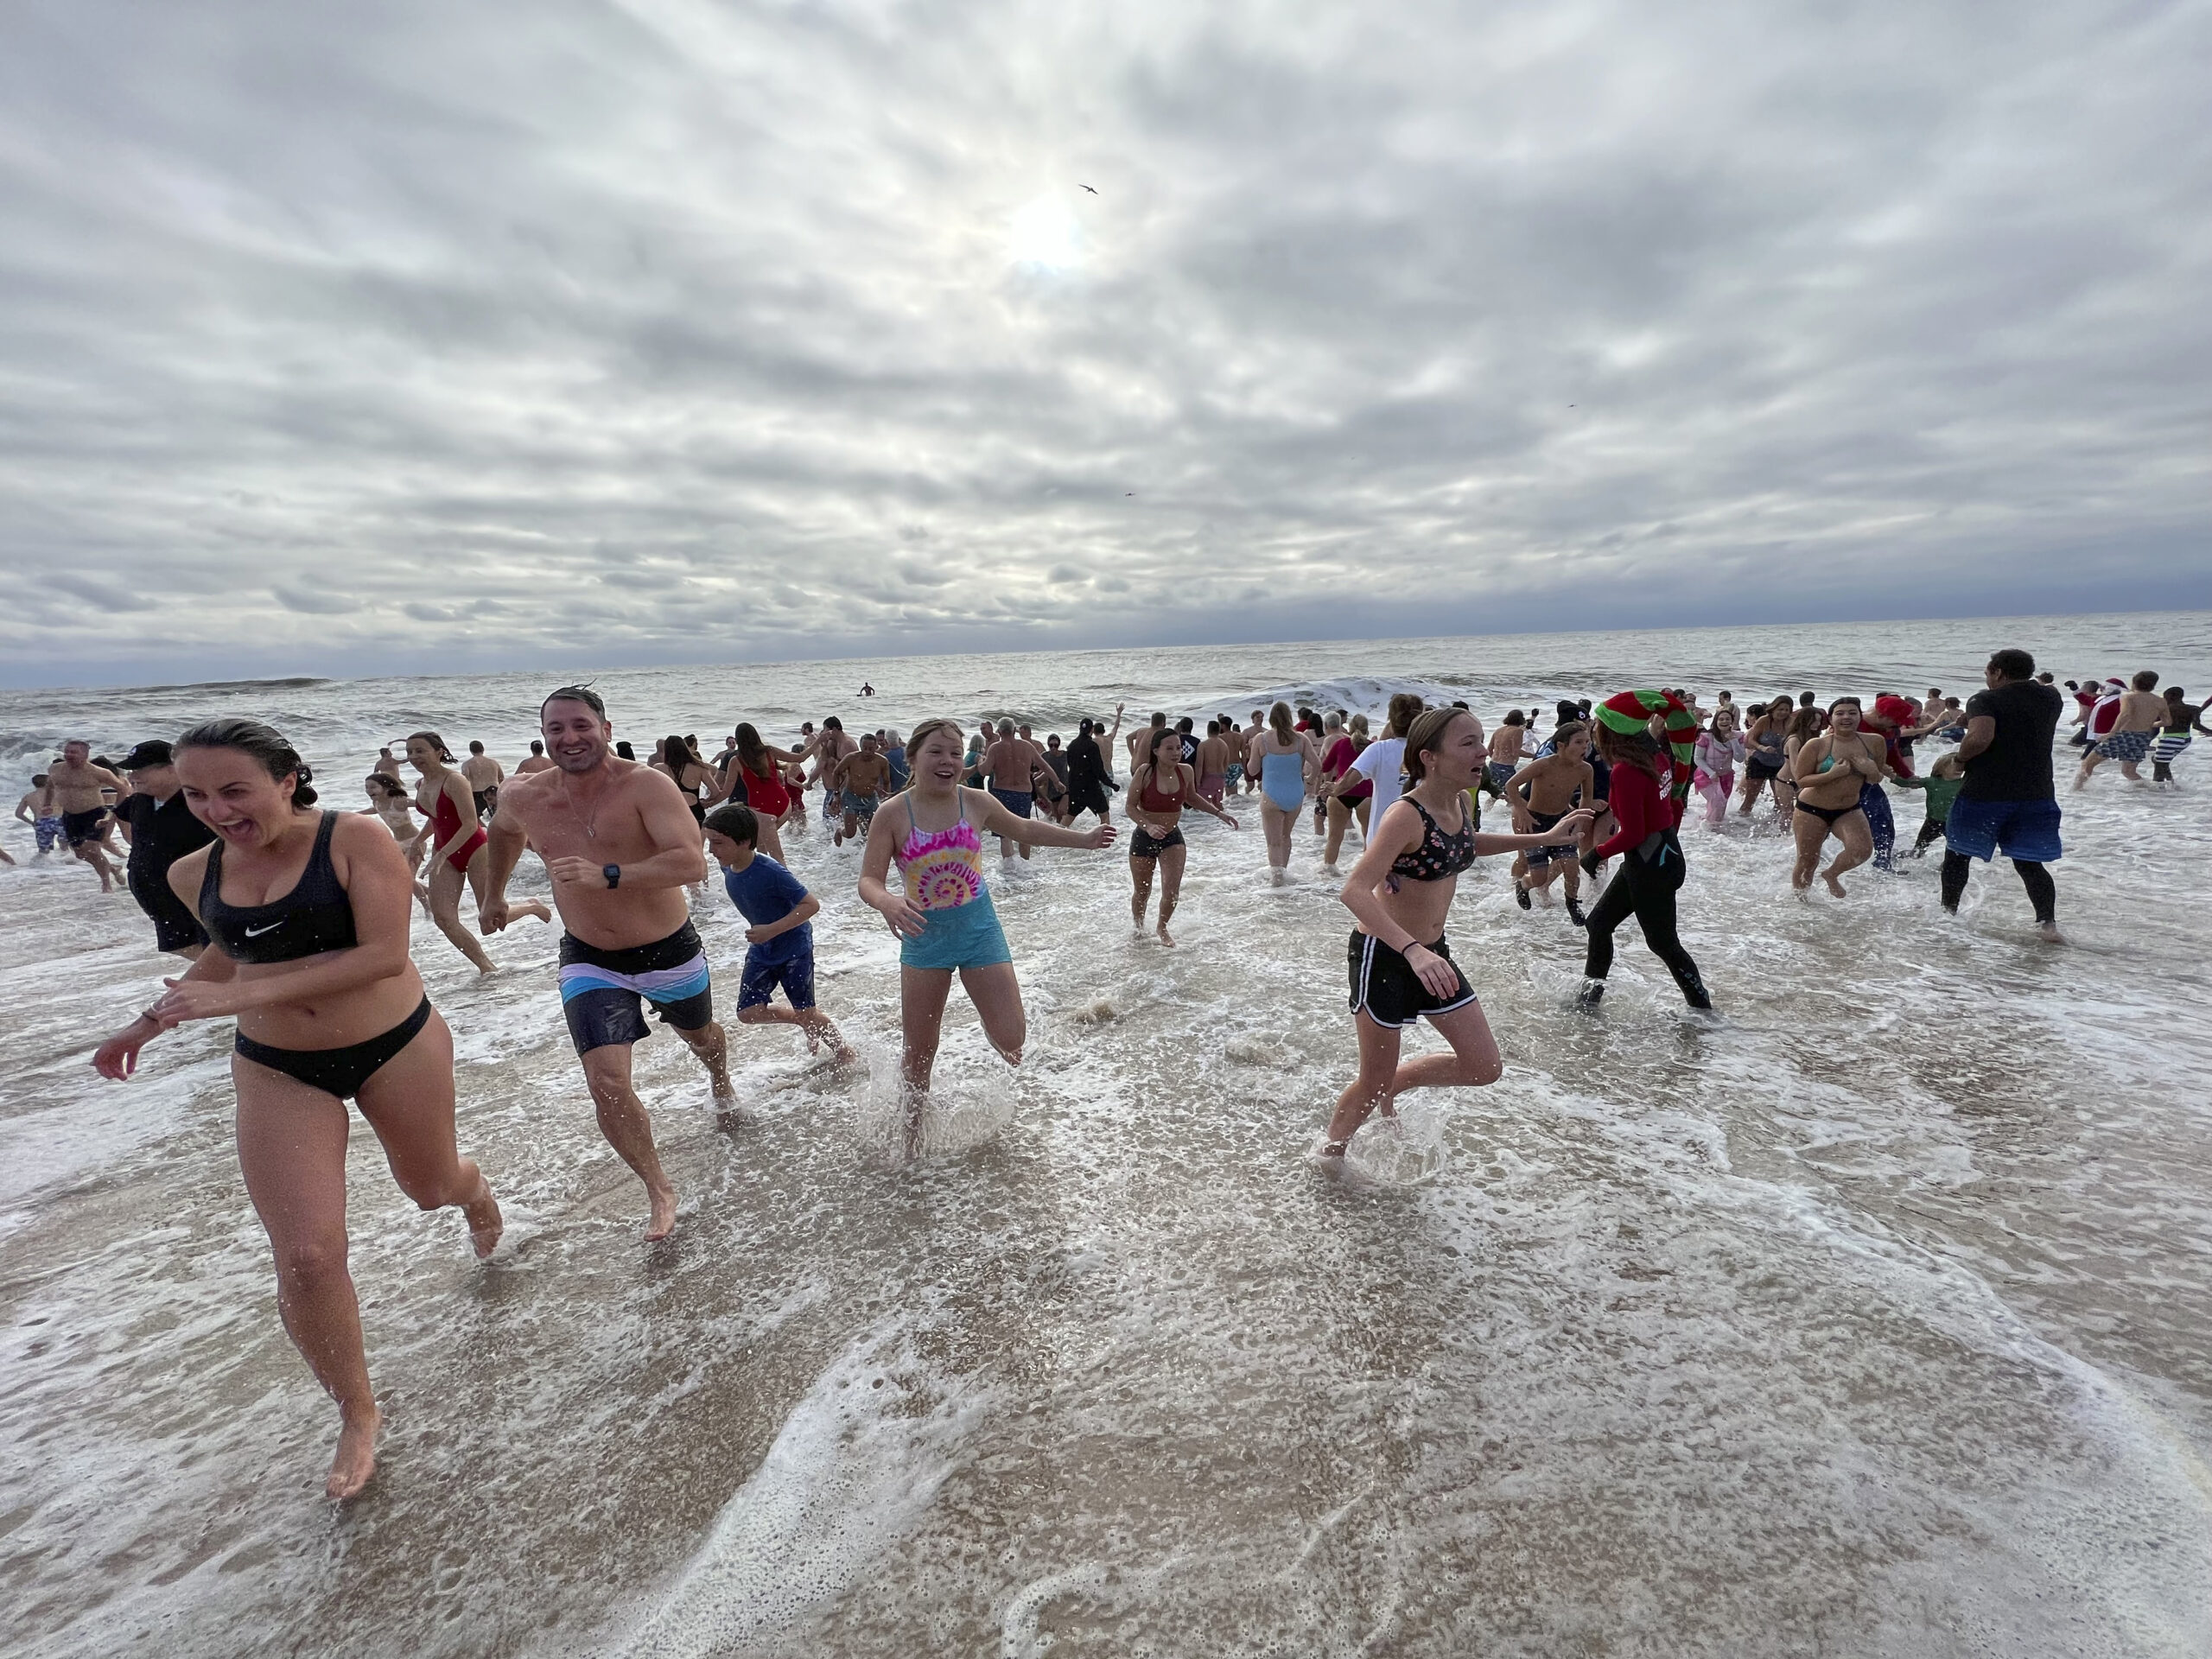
941	910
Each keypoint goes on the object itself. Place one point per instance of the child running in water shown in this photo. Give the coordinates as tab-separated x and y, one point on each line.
1943	782
942	913
781	936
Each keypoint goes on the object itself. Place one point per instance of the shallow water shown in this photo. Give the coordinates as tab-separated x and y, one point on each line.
1873	1320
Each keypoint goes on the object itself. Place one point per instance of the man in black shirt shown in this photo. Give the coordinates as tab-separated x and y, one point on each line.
2008	800
161	830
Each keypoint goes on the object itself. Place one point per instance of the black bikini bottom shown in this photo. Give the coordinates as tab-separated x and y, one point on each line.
1826	815
339	1072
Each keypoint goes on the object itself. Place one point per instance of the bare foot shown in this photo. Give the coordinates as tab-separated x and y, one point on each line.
485	1221
843	1054
355	1459
1835	885
2048	933
1165	937
724	1091
663	1222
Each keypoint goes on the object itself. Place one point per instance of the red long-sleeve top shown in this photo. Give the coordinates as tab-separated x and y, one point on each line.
1634	797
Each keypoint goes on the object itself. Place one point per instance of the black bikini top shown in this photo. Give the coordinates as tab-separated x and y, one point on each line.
314	916
1439	855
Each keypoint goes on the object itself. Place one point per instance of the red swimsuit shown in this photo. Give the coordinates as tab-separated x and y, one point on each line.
446	821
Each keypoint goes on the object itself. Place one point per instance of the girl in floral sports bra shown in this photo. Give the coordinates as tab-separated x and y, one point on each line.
941	910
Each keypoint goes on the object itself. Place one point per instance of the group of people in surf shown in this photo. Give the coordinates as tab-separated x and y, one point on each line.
308	911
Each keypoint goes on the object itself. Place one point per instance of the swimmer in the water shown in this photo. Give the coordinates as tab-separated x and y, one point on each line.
1161	787
1285	760
1829	771
942	913
457	852
308	912
779	936
621	847
1399	893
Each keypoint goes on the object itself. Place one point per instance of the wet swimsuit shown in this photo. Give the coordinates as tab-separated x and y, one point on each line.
943	873
601	990
1384	985
765	790
446	821
49	832
1766	756
2126	746
1282	780
315	915
1150	843
764	891
78	827
1542	857
1440	854
1016	801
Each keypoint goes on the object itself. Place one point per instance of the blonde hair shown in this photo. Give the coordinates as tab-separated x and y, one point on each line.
929	729
1404	706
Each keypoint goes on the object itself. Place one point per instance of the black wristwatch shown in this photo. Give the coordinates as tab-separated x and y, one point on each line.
613	874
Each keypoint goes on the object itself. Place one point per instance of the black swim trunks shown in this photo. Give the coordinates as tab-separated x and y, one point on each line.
1385	988
601	990
78	827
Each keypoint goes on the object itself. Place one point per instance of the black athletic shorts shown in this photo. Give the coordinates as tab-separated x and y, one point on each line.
78	827
1385	988
1144	844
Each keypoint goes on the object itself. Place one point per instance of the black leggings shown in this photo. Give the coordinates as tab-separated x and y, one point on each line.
2042	892
1648	891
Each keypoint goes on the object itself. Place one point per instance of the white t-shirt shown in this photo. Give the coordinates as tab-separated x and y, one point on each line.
1384	761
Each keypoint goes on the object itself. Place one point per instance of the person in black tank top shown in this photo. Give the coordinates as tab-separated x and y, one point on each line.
1398	962
309	913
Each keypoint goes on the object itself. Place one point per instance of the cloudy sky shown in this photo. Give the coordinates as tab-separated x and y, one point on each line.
445	338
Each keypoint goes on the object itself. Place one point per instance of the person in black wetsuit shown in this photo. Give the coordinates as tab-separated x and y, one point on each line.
2008	801
158	822
308	915
1088	778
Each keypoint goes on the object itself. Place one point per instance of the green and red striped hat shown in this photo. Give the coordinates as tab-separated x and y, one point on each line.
1631	711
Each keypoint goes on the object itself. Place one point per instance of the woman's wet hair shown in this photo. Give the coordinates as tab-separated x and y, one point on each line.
435	741
1846	703
383	786
750	748
1404	706
251	737
1084	728
1425	736
1565	733
1279	717
1806	722
675	753
737	821
1165	734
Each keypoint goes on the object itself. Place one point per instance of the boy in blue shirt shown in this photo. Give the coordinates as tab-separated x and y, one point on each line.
780	910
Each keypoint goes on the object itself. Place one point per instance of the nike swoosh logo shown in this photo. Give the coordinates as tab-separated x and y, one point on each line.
256	932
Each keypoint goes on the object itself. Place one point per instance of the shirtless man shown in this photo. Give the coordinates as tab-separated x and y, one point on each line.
37	810
861	780
1213	764
1542	794
1508	747
535	761
829	747
75	784
485	776
620	842
1139	743
387	765
2142	711
1010	767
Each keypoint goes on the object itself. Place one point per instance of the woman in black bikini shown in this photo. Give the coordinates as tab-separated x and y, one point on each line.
1764	760
1159	788
309	913
1829	771
1402	968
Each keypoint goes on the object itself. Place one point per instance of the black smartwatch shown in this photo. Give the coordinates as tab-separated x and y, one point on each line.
612	873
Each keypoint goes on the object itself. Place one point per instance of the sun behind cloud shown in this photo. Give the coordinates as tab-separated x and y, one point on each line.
1045	232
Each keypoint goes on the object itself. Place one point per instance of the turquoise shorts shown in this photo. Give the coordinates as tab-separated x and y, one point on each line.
969	937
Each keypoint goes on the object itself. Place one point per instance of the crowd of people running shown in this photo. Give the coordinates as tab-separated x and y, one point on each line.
294	919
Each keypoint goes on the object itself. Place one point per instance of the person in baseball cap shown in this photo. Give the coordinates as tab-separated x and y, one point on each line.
159	824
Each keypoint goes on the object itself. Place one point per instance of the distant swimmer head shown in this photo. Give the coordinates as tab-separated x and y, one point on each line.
1404	706
1084	728
2145	681
1514	718
2010	663
1006	729
241	779
537	746
426	750
1446	744
1572	741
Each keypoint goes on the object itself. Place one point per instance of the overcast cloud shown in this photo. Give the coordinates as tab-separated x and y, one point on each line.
438	337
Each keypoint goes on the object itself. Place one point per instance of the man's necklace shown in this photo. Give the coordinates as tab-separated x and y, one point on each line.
591	824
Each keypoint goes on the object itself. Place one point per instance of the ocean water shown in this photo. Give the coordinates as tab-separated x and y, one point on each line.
1874	1321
